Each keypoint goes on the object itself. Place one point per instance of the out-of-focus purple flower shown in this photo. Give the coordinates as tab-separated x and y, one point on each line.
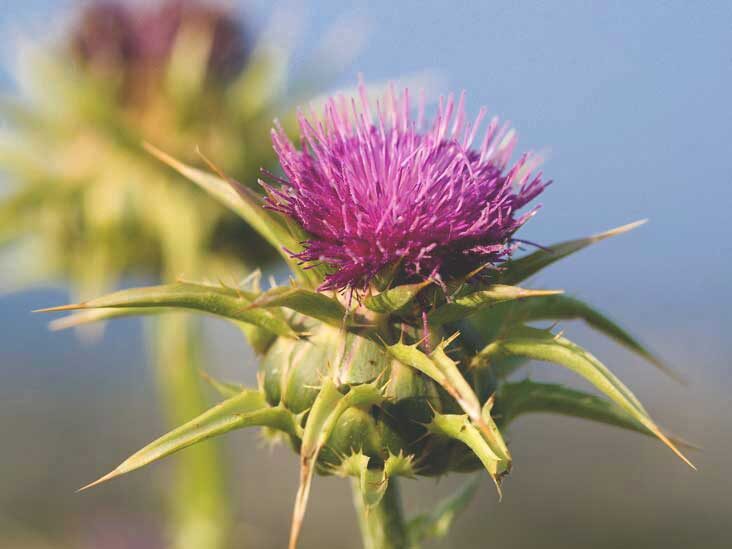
138	41
105	35
377	191
157	32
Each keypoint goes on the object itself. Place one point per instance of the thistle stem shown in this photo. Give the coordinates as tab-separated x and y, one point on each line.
382	526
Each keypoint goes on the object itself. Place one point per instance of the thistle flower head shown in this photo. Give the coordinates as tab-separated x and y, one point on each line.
378	190
113	35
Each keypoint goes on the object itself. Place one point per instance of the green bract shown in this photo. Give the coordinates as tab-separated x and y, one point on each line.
360	391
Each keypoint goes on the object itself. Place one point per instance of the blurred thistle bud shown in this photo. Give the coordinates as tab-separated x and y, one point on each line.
159	29
134	44
104	36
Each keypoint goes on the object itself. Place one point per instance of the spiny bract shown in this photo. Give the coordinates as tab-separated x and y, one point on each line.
384	385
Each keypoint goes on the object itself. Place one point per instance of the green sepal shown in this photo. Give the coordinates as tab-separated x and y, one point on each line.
470	304
247	409
395	299
545	346
518	270
436	524
216	300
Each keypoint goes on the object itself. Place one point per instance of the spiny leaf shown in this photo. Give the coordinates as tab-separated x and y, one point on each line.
526	397
516	271
246	409
530	397
101	315
544	346
472	303
308	302
459	427
327	408
436	524
395	299
563	307
219	301
258	338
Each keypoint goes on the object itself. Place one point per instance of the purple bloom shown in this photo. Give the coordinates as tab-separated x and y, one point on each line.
378	191
112	36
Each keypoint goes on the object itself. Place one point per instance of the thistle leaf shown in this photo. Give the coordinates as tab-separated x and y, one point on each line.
307	302
472	303
246	409
327	408
518	270
215	300
544	346
395	299
563	307
92	316
527	397
435	525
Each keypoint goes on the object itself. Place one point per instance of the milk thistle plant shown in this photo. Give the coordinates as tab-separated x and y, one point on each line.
388	353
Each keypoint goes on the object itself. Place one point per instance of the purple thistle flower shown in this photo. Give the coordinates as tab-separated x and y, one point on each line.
378	191
112	36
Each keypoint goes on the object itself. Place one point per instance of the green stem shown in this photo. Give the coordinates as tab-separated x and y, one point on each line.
198	506
382	526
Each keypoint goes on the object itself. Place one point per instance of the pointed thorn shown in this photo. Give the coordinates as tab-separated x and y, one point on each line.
673	448
539	293
620	230
446	342
105	478
61	308
164	157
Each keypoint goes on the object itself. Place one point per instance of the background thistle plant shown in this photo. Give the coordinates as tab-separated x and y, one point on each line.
88	207
404	372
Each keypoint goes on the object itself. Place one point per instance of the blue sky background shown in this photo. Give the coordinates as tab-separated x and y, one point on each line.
632	99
